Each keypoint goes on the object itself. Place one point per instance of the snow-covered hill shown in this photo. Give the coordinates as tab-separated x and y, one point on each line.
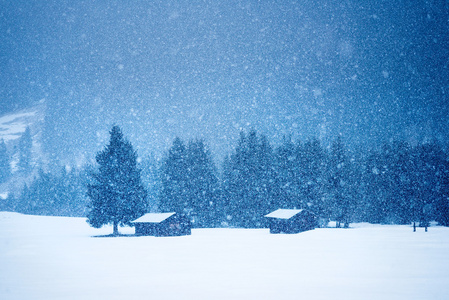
60	258
12	128
13	125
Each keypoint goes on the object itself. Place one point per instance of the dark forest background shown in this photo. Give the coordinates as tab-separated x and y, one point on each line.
394	184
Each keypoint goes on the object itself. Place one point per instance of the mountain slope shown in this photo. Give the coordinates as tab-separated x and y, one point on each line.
12	128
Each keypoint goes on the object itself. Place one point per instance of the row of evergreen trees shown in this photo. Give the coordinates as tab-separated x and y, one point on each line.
396	184
61	193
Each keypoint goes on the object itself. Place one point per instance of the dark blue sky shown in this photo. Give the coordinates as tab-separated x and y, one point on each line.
369	70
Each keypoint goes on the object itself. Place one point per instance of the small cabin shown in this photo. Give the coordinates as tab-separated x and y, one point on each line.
162	224
291	220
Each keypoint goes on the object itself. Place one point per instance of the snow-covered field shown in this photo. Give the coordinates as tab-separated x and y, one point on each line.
61	258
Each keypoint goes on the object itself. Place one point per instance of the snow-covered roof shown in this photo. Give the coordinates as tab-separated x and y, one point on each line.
153	217
283	213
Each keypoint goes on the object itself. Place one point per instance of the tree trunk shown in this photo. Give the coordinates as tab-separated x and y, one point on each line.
116	228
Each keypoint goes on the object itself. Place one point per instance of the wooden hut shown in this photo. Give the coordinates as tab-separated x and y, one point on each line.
162	224
291	220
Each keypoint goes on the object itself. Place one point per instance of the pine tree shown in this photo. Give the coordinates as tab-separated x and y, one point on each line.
117	194
339	174
313	164
25	145
189	183
251	182
202	184
373	180
5	167
151	179
42	195
401	173
431	184
174	179
287	166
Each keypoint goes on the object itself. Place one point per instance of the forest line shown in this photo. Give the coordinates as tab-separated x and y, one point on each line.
397	184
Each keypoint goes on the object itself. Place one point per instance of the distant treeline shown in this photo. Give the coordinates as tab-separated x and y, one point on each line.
57	193
397	184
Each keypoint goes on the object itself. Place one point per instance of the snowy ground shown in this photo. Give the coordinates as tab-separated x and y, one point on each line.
59	258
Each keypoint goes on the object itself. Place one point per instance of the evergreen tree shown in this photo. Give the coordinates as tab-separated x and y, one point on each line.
339	174
301	171
61	194
268	188
117	194
151	179
389	179
402	173
202	184
5	167
251	181
288	170
39	197
236	184
70	194
375	189
24	201
174	180
189	183
226	189
442	203
431	184
25	156
313	170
